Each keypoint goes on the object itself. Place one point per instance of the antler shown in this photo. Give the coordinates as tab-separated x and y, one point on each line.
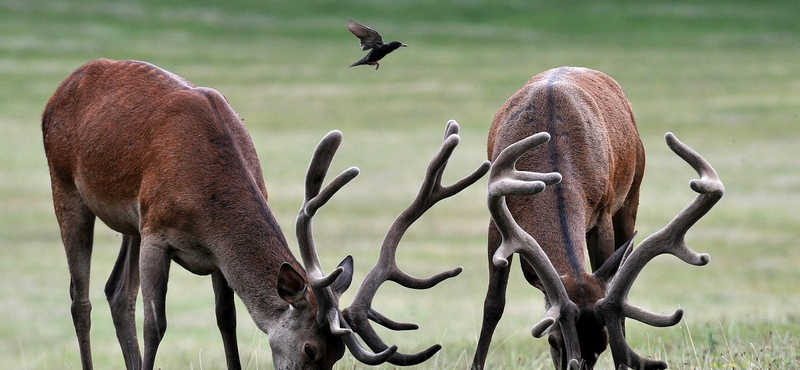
504	180
615	307
327	302
360	311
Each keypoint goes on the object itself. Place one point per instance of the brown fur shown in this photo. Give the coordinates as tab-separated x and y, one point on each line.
171	167
595	146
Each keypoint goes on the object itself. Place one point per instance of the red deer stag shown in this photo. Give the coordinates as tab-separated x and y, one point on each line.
595	162
171	167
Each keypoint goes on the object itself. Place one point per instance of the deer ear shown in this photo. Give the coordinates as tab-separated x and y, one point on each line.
342	282
609	268
291	286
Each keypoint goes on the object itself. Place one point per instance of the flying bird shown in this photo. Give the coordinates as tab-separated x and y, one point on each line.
371	39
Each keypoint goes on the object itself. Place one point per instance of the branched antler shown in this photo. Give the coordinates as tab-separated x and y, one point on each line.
504	180
614	308
354	320
360	311
315	197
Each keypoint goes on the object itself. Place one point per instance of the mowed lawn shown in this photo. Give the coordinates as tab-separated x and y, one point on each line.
724	78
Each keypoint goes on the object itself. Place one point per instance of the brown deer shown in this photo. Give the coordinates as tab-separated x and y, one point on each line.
171	167
594	165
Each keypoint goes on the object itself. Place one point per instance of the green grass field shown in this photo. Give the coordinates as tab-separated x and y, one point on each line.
724	77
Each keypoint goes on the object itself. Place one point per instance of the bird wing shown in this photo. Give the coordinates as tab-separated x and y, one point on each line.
369	37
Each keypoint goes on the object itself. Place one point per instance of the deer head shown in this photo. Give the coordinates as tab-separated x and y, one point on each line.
565	312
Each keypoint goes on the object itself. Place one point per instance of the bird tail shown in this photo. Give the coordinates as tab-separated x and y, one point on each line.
361	62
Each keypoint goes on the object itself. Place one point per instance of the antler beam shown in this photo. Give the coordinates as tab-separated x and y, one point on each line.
614	308
315	197
504	180
360	311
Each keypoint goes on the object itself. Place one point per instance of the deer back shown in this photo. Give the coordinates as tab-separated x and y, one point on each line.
596	148
150	153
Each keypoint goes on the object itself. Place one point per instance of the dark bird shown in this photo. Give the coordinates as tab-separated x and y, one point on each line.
371	39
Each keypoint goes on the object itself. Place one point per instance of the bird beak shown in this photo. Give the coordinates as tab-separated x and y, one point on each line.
404	45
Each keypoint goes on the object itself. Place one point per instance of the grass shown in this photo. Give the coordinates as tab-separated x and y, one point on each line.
724	78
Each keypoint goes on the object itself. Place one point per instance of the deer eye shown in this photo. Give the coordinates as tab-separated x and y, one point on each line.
309	351
554	341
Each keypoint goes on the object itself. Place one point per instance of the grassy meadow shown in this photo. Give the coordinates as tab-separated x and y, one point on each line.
723	76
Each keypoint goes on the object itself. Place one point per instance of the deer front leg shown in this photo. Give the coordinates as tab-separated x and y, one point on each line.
493	306
154	268
121	291
226	319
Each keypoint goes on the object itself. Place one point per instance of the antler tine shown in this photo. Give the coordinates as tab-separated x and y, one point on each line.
671	239
431	191
504	180
316	197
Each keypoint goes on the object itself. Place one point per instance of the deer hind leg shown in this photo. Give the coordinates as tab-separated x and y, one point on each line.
121	290
493	305
226	319
154	263
76	222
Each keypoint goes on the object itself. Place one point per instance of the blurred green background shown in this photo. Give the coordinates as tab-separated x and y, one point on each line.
723	76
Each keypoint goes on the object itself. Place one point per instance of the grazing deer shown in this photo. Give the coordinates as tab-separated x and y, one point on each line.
594	165
171	167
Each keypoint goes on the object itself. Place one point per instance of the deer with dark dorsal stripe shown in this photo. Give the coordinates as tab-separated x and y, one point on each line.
594	165
171	167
